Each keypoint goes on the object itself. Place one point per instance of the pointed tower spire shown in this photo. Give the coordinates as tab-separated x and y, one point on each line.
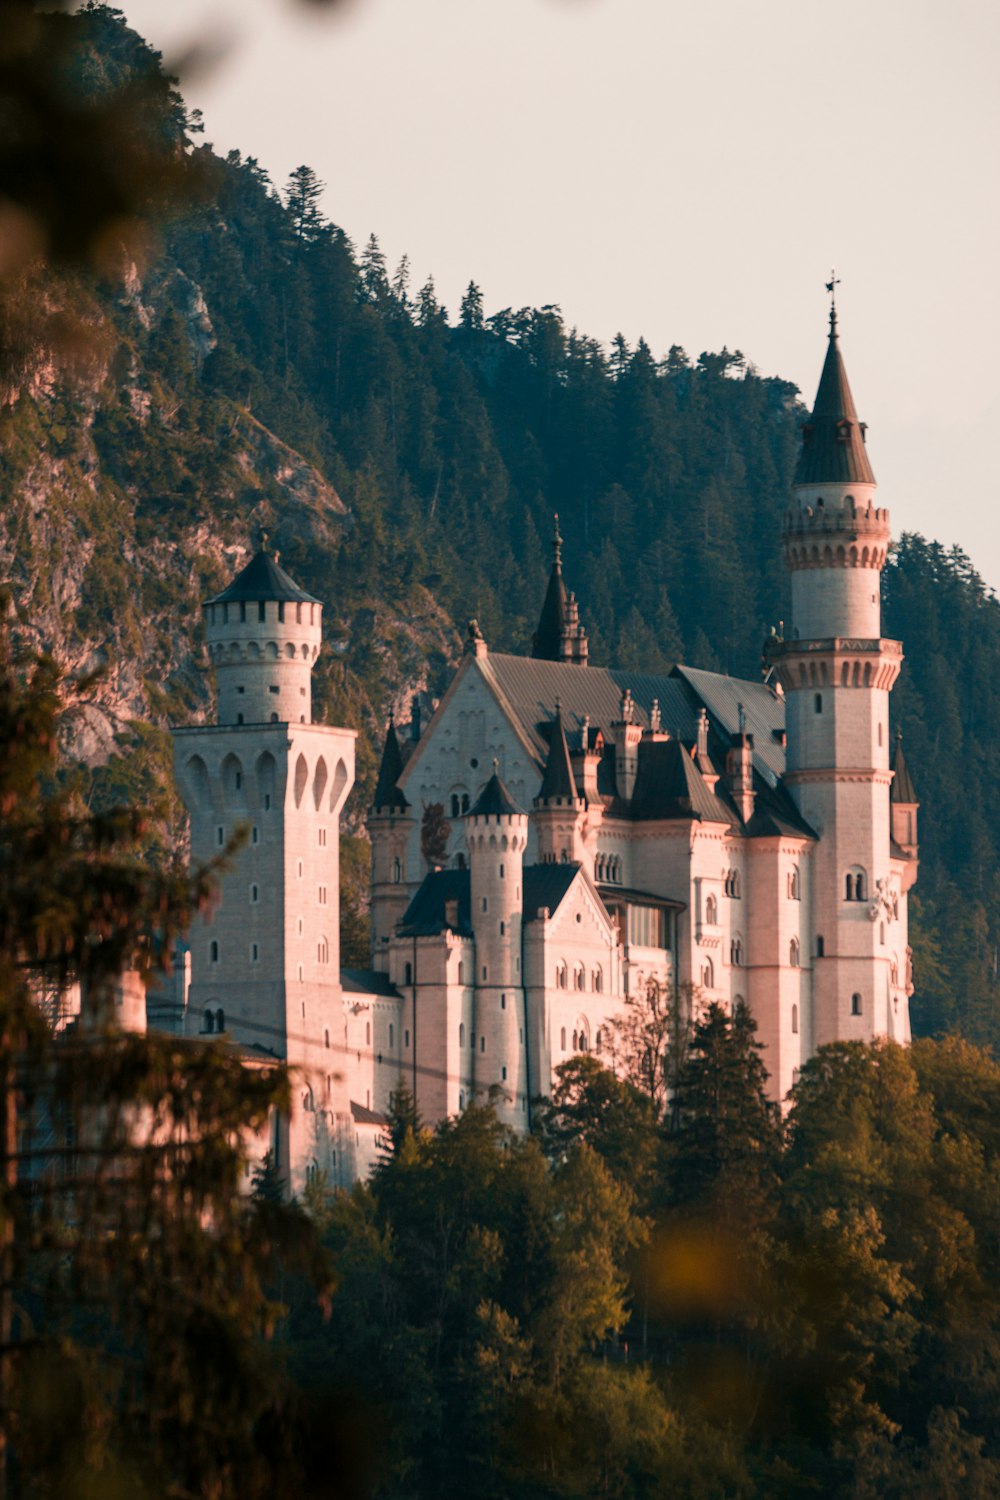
833	440
558	782
901	790
388	797
560	636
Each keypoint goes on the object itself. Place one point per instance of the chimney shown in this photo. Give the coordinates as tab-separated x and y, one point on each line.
627	736
739	771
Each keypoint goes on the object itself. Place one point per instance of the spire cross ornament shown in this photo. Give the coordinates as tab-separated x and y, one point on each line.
831	287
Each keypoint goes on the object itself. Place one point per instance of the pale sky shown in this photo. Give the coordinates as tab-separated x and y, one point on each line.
686	172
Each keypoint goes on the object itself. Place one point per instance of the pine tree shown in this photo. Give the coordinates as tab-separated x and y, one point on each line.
302	199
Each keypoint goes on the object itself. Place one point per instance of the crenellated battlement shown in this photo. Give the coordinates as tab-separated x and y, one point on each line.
841	536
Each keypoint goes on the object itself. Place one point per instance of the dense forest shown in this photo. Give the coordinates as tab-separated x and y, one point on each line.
260	372
691	1301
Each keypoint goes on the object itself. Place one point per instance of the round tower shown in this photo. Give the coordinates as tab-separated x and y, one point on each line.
263	634
837	670
496	832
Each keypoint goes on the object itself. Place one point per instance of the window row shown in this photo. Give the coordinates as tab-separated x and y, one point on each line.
608	869
214	1020
732	884
580	1041
305	614
579	977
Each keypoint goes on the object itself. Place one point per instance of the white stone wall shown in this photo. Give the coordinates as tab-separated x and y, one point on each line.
263	666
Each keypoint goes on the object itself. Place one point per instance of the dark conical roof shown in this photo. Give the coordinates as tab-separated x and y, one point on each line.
833	440
558	782
902	785
495	801
387	792
262	579
546	644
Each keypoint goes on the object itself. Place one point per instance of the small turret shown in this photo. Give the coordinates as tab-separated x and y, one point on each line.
389	825
560	636
628	735
903	807
558	807
739	771
263	634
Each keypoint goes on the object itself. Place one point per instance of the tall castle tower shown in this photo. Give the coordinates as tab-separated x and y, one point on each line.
496	832
265	966
837	671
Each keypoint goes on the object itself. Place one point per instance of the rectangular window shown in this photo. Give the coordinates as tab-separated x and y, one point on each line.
220	836
255	836
273	688
647	926
321	837
322	895
254	953
261	612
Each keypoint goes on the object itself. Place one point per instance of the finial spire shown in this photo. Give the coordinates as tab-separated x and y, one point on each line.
556	541
831	287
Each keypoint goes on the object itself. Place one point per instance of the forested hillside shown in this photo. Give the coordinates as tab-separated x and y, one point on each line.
259	372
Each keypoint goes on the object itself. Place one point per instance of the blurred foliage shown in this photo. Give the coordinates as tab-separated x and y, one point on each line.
701	1302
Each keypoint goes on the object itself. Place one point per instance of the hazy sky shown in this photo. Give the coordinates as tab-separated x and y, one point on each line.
684	172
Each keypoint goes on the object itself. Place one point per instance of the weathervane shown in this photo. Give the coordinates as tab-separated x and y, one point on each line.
831	287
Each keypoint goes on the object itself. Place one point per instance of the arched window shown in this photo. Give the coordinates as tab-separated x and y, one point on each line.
795	1020
734	889
708	974
461	1033
455	805
855	885
220	1019
582	1035
598	1039
561	975
323	951
562	1038
794	887
392	1034
326	1037
408	974
213	951
597	981
579	980
368	1033
793	953
576	1041
461	972
736	950
397	871
855	1005
820	946
209	1021
711	911
308	1102
465	802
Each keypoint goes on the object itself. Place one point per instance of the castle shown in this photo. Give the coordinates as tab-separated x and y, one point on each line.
589	831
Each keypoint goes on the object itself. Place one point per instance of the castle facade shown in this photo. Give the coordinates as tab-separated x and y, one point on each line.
558	838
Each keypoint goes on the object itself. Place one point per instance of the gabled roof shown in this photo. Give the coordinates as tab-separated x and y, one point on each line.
362	1115
902	790
558	782
388	796
833	440
367	982
262	579
494	801
668	784
544	886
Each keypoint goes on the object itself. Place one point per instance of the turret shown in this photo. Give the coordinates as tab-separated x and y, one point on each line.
389	825
559	808
496	831
739	772
560	636
903	807
628	735
263	634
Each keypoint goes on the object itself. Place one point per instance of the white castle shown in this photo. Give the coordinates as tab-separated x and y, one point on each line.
596	830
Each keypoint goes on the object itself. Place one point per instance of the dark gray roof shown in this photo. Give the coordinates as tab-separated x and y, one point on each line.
902	789
531	688
426	915
388	796
775	814
668	784
833	440
262	579
494	801
763	714
367	982
558	783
